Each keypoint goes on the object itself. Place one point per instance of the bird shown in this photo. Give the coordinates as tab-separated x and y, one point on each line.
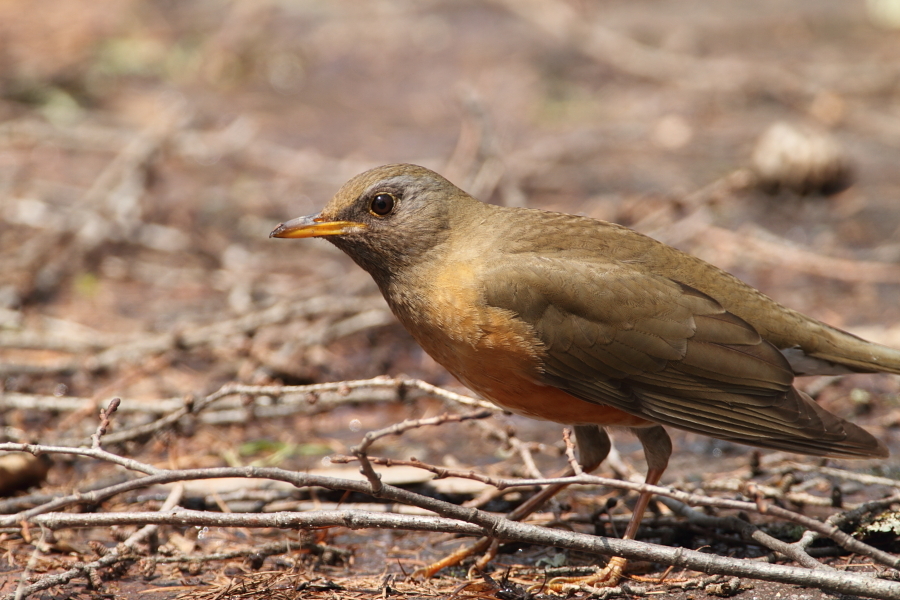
588	323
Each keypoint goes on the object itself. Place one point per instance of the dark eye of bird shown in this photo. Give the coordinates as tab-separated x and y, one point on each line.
382	205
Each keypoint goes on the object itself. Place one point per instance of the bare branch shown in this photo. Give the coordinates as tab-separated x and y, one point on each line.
827	529
98	453
105	415
570	453
399	428
487	525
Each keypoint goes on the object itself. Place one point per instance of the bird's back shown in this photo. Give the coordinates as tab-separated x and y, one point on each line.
583	240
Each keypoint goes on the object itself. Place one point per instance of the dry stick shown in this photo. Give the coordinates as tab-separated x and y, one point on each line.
479	523
570	453
317	395
271	549
105	414
404	426
63	366
488	525
747	531
360	451
58	335
193	407
310	505
242	325
797	498
439	472
832	532
18	503
276	390
844	540
350	518
18	401
509	438
849	516
231	408
399	385
120	553
98	453
827	529
527	458
234	389
863	478
801	498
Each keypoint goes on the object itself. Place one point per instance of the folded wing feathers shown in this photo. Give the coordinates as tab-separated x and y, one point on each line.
674	356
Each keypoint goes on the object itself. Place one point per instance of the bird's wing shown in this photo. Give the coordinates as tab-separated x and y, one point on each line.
661	350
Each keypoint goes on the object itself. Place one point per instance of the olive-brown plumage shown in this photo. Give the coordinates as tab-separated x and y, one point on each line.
516	301
585	322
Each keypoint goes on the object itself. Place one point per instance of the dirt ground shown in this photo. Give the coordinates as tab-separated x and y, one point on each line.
147	149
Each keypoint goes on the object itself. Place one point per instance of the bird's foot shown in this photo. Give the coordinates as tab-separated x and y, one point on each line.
607	577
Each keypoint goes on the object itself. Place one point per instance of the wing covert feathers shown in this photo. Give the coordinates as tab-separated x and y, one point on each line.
661	350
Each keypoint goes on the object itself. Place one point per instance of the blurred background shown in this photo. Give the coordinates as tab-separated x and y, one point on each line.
148	148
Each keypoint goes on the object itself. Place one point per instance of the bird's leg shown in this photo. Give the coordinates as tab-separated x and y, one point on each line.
657	449
593	446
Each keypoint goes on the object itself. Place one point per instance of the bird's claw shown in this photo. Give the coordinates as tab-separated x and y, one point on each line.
607	577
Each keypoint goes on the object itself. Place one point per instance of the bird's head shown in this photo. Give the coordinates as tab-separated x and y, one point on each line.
386	219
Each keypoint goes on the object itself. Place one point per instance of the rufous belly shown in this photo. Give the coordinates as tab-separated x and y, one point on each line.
508	375
523	397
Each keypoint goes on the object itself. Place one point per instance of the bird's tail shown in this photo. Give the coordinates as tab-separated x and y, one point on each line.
855	353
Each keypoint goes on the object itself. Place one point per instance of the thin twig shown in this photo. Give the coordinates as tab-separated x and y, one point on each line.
360	451
828	530
747	531
399	428
570	453
863	478
490	525
487	525
309	395
98	453
105	415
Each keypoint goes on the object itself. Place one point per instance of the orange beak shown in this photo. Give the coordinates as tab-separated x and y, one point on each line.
314	226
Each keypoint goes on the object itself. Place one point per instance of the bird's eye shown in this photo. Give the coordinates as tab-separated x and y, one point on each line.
382	205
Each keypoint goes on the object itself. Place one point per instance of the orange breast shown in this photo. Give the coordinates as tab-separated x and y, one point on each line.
519	395
498	356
